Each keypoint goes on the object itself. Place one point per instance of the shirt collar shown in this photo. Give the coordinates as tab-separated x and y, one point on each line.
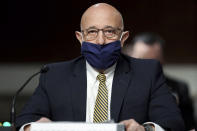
94	72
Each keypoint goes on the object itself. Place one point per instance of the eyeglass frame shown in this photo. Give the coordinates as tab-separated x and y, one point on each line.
98	30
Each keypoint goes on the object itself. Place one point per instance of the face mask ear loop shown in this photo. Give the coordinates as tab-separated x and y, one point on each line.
121	36
82	37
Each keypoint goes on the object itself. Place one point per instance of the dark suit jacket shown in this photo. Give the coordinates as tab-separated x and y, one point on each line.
181	90
138	91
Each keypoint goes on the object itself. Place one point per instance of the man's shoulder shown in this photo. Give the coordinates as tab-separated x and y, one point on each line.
141	63
66	64
146	68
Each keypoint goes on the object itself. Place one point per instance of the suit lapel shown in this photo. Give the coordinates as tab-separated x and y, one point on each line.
79	90
121	80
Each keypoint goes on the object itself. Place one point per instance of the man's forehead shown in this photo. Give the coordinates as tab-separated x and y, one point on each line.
101	15
97	27
101	23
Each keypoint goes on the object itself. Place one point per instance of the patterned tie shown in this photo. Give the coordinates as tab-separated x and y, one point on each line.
101	106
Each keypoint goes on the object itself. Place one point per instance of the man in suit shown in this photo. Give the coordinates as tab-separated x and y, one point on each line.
149	45
104	84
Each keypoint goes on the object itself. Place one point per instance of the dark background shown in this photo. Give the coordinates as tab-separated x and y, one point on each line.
44	30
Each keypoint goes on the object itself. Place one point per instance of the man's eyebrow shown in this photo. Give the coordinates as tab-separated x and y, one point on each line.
92	27
108	26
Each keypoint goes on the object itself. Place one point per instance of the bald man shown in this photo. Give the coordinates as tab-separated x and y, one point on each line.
104	84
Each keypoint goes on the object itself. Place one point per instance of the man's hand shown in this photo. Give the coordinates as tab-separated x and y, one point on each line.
42	119
132	125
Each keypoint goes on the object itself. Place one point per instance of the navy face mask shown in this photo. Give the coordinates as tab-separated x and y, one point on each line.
101	56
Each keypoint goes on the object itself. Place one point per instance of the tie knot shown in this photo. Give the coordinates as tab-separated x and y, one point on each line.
101	77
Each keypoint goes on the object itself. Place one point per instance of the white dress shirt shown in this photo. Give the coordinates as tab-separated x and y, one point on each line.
92	89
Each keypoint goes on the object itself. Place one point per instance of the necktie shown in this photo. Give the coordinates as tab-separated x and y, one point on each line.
101	105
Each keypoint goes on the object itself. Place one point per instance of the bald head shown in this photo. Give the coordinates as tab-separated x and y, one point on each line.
101	15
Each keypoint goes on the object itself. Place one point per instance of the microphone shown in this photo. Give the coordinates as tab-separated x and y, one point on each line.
44	69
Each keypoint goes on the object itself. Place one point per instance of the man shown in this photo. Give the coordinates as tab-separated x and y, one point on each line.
150	46
103	84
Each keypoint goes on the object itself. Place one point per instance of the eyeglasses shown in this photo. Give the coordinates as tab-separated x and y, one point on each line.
109	33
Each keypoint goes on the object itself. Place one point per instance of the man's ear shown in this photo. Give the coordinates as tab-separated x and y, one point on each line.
79	36
125	36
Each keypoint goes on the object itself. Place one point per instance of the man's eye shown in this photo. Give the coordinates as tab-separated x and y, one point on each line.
92	31
110	31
